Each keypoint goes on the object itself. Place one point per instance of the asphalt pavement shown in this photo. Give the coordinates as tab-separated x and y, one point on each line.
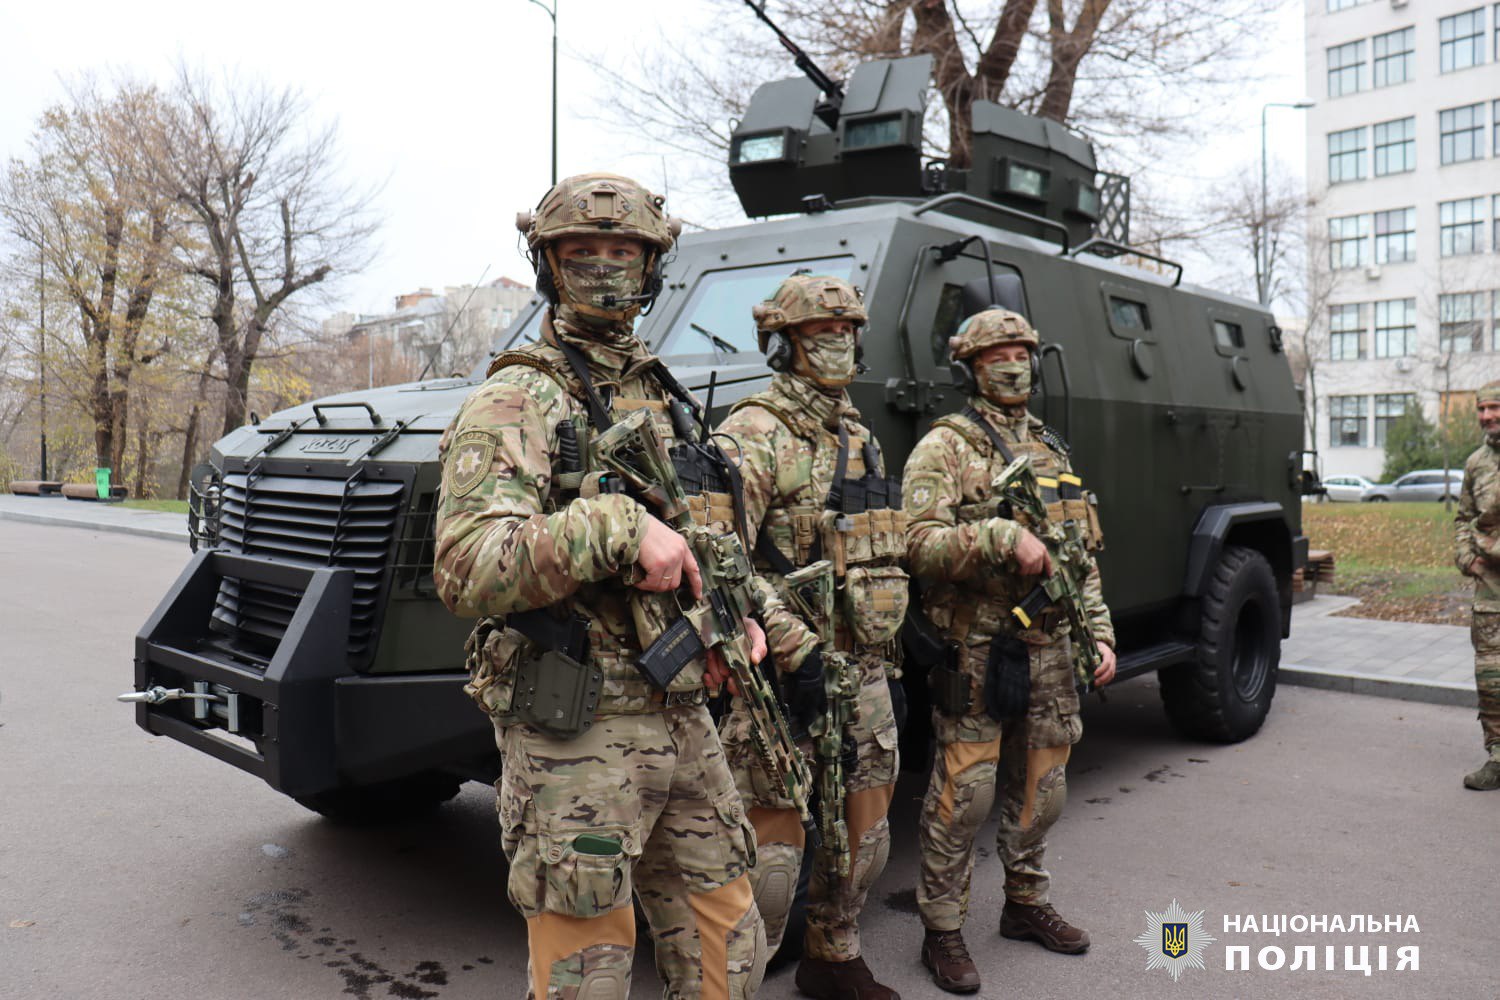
133	867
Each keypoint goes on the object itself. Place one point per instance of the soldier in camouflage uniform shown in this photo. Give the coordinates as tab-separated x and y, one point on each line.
631	790
978	563
1477	531
798	441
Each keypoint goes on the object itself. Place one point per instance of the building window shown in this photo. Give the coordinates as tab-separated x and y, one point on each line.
1337	5
1462	131
1461	322
1346	156
1396	236
1346	332
1496	115
1388	408
1496	211
1396	146
1395	55
1346	421
1461	226
1396	328
1461	40
1346	69
1348	242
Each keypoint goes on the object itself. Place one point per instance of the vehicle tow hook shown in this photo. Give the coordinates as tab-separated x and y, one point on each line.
158	694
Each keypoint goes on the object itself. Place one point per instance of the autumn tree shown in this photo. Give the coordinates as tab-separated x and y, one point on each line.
270	218
92	222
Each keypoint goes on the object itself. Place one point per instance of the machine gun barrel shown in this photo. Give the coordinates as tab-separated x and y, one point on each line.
831	88
1019	485
634	451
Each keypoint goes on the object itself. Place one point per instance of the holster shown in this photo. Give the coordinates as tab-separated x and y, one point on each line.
1007	678
557	689
949	686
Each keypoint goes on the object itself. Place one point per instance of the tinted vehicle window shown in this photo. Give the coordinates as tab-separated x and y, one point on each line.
716	319
1228	335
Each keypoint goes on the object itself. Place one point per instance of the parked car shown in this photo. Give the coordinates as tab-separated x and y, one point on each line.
1354	489
1427	484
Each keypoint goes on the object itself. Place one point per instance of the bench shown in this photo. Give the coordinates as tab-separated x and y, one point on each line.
1319	569
89	491
36	488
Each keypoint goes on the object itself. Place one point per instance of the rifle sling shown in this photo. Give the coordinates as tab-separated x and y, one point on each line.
976	417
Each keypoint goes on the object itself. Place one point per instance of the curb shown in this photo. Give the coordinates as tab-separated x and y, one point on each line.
1400	688
142	530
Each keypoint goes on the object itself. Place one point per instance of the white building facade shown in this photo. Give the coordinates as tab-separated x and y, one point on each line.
1403	147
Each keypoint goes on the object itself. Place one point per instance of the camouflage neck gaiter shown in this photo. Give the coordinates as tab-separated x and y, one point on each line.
1004	381
828	359
590	290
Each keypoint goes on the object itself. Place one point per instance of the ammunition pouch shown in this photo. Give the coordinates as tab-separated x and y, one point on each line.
1007	678
875	599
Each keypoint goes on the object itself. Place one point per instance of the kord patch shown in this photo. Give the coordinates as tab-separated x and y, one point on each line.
469	461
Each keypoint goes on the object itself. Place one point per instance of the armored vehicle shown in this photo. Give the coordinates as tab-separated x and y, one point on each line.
303	642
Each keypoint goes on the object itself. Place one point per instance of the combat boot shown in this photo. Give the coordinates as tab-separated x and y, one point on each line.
1043	925
1487	778
851	980
947	958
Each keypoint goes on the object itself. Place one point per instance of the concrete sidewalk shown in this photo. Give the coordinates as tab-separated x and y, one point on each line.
1415	662
95	516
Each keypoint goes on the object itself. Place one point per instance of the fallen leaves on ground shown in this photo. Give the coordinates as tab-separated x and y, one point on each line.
1397	558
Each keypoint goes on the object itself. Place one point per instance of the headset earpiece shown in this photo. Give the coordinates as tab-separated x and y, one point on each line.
779	352
962	373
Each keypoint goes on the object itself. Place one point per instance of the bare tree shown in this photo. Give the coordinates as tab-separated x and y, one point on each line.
269	214
87	214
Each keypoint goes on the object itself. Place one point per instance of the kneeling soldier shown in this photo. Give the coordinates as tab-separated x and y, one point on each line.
980	563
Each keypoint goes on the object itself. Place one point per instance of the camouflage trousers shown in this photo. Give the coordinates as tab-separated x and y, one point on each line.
641	803
962	789
1485	634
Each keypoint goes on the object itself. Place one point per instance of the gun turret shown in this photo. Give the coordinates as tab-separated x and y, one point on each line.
827	110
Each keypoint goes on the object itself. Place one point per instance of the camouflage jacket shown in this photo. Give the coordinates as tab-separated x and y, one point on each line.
1477	524
510	540
959	544
786	441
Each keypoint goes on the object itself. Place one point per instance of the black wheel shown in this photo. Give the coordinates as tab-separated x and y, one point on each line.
385	802
1226	695
1377	499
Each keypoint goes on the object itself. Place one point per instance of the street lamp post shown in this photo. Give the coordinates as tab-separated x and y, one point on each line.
41	357
1263	282
552	13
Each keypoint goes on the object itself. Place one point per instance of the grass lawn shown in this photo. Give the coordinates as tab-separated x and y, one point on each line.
171	506
1397	558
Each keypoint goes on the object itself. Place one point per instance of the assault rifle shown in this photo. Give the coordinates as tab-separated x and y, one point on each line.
634	453
810	592
1019	486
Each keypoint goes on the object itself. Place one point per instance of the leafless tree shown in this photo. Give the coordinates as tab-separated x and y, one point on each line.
270	216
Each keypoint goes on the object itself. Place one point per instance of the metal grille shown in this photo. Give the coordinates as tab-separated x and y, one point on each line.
1114	208
318	522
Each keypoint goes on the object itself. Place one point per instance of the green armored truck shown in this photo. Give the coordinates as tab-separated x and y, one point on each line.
304	642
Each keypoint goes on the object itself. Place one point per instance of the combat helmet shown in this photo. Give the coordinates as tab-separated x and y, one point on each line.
802	298
990	328
593	204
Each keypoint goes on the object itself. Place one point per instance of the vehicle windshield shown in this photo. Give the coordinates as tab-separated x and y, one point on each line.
716	319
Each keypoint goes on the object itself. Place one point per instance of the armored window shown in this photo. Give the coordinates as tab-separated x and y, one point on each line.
1129	316
1346	69
1346	422
1229	336
950	313
1348	241
716	317
1395	56
1395	146
1346	332
1346	156
1462	133
1389	407
1461	40
1461	322
1461	226
1396	328
1396	236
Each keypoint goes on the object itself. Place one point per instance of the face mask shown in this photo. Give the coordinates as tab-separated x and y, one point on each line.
1004	381
588	281
829	358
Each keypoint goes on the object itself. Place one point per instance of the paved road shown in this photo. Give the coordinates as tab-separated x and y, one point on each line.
132	867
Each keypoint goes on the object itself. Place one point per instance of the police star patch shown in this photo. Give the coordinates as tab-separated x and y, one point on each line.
923	490
469	461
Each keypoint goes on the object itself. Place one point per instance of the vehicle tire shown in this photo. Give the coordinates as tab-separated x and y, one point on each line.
1225	696
1377	499
386	802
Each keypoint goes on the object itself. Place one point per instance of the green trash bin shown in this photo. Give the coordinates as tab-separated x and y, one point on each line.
101	480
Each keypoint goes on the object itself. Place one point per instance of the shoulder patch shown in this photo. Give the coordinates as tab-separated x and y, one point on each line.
921	489
469	459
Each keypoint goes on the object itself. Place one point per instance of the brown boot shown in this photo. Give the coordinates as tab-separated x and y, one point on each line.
851	980
1043	925
947	957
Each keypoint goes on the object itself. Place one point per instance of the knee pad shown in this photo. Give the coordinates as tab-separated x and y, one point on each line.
598	972
973	797
874	850
1051	796
775	880
748	954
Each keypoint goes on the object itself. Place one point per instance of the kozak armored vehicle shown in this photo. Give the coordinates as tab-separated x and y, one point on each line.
304	643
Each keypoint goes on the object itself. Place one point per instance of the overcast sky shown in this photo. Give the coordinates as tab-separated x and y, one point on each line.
449	108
